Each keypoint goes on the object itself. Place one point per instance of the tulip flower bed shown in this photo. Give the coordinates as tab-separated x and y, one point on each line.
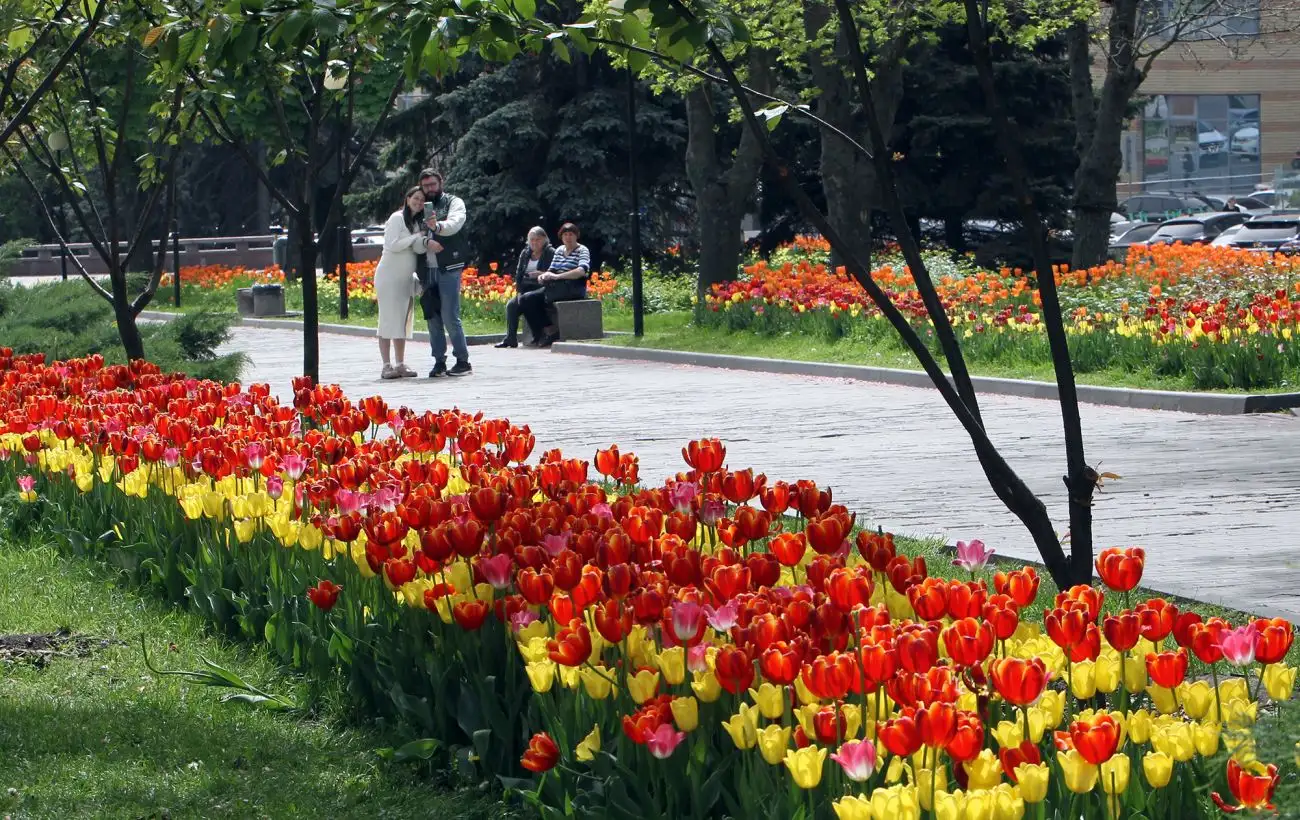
483	294
718	644
1219	318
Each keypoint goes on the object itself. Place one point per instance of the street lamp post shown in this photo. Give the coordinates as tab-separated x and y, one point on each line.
337	81
638	305
59	144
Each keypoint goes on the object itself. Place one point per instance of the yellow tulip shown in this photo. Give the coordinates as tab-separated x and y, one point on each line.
1279	681
852	807
1080	775
244	530
686	713
1163	699
1175	740
1115	774
1040	720
1032	779
588	746
1008	803
805	714
1009	734
537	629
1241	745
1196	698
1052	704
1140	726
924	777
774	742
896	803
1108	672
705	685
1297	755
570	677
672	663
852	720
1083	679
1240	713
541	674
1157	767
1206	738
534	649
769	699
1233	689
806	765
979	805
742	728
310	537
983	771
640	648
950	805
598	683
643	685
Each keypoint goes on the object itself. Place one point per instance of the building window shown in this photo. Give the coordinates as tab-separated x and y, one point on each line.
1207	19
1207	143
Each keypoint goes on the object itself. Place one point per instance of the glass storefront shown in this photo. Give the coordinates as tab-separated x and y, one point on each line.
1207	143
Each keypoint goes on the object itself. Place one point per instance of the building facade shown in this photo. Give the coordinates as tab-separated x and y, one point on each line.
1219	112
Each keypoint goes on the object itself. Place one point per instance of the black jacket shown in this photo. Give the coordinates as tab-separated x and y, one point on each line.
521	268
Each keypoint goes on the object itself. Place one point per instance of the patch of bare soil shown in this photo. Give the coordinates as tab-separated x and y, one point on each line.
39	649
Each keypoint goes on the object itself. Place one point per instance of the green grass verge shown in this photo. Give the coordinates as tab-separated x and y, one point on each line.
94	733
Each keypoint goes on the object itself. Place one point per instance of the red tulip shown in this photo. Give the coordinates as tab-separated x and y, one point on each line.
1089	597
1275	638
900	735
918	648
571	645
780	663
1019	681
1253	787
969	641
1167	669
734	669
789	548
324	595
1097	738
1158	617
937	723
1003	616
1123	630
929	598
1021	585
1013	756
542	754
704	455
1121	569
470	615
967	739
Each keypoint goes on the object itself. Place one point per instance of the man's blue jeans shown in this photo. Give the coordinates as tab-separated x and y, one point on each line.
446	323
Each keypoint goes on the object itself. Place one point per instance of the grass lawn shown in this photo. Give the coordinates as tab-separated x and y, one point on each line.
93	733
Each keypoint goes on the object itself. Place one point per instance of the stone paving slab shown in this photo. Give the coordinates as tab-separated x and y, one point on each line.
1212	498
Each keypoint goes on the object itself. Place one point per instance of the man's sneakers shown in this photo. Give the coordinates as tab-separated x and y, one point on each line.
460	368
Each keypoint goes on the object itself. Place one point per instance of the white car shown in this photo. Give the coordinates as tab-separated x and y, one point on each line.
1225	238
1246	141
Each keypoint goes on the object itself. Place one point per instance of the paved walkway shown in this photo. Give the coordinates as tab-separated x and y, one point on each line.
1213	499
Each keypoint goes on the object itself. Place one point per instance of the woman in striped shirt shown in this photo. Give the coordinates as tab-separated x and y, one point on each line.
566	280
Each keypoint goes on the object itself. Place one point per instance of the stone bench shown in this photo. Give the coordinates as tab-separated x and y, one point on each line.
263	300
579	319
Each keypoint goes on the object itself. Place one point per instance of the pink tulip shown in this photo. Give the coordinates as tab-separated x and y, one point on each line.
171	457
294	465
496	570
688	621
275	487
26	483
711	512
857	758
602	510
1238	645
681	494
347	501
664	741
522	619
971	555
386	498
724	617
555	544
255	453
697	657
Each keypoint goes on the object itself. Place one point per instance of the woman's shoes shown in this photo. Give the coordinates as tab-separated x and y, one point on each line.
504	343
404	372
389	373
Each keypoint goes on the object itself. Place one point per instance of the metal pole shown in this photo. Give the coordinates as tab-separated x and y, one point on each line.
63	229
638	303
344	237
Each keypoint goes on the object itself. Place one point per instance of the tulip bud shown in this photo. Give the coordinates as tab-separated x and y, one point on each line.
1157	767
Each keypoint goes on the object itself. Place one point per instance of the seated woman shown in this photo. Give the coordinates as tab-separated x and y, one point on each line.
395	282
534	260
564	282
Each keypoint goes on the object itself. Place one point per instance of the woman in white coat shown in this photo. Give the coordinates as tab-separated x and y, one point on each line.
395	282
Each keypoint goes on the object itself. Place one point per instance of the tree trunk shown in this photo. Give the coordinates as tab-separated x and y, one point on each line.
310	307
721	193
127	329
1100	120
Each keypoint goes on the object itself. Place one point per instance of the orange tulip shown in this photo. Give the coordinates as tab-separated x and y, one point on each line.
1167	669
542	754
1121	569
1097	738
1254	791
1021	585
1019	681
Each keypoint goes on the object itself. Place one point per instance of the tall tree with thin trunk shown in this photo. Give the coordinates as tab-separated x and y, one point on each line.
29	32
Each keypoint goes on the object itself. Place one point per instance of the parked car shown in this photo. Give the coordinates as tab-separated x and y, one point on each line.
1268	232
1225	238
1190	229
1166	205
1291	247
1136	235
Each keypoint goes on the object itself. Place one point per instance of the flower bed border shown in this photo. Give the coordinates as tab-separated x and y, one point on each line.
1213	404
